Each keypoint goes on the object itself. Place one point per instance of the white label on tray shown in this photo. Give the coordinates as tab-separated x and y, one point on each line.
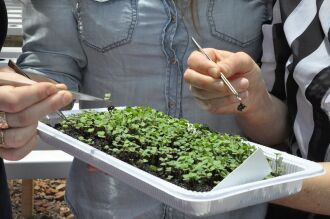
254	168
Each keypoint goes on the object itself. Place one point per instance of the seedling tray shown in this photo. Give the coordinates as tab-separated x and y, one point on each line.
189	202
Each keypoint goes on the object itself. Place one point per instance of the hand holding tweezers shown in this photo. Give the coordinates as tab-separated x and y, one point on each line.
241	106
76	95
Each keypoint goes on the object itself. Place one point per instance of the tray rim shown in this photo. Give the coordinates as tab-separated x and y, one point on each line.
314	169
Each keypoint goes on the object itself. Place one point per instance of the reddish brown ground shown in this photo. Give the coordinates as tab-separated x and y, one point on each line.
48	199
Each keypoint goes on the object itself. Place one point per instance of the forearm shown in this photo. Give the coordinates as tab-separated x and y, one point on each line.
314	196
267	124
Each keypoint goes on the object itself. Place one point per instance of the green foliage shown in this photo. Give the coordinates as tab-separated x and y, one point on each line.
278	168
173	149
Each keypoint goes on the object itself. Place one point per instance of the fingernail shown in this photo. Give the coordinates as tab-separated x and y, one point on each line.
60	86
51	90
66	98
243	94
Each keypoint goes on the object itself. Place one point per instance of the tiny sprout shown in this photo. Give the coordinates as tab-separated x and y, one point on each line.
169	177
101	134
107	96
153	168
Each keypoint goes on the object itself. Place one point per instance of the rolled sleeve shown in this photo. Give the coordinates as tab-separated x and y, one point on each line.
51	43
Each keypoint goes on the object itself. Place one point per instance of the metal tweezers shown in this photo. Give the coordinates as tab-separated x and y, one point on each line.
241	106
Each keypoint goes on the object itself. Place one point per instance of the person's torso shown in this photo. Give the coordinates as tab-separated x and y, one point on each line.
138	50
307	76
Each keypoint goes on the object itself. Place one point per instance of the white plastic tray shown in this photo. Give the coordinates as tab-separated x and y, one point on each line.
190	202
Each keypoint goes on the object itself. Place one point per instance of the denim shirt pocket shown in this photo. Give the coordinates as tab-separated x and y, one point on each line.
238	22
106	24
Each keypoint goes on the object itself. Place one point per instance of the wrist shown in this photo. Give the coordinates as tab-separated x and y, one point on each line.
258	103
257	110
266	121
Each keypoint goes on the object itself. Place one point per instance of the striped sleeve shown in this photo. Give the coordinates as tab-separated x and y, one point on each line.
296	67
275	54
325	23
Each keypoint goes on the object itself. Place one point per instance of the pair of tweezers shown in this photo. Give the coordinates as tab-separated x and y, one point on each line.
241	106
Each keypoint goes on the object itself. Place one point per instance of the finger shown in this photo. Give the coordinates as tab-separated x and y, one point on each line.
13	76
216	54
18	137
7	69
223	105
94	169
208	83
204	94
221	90
18	153
201	81
200	63
15	99
39	110
236	64
61	86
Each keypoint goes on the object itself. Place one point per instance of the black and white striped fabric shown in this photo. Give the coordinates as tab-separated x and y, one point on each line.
296	67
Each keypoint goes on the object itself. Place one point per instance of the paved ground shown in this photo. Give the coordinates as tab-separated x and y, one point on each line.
13	41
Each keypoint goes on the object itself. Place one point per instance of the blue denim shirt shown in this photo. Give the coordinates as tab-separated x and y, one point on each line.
138	51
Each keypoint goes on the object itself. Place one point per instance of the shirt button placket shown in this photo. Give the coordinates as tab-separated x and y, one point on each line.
172	104
172	107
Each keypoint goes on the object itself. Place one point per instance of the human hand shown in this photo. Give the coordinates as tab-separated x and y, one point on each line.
91	168
211	92
21	108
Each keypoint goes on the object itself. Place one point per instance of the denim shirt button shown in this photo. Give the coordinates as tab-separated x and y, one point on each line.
173	19
172	104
